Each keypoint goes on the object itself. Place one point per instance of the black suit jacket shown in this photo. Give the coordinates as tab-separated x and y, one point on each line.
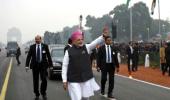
18	52
167	54
129	55
135	53
128	52
101	58
31	57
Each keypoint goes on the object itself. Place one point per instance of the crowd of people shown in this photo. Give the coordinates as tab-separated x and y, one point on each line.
131	52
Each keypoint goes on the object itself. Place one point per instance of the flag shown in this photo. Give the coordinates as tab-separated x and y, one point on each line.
153	6
127	3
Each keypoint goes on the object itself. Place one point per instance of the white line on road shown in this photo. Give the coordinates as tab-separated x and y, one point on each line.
144	82
5	85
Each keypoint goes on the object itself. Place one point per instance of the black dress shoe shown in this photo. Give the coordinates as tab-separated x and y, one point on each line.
102	93
36	98
111	96
44	97
18	63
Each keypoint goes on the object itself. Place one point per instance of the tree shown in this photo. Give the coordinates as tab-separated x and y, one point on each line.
121	20
96	24
52	38
141	20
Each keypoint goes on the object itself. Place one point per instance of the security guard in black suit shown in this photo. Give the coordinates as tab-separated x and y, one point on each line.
39	60
18	54
107	62
167	57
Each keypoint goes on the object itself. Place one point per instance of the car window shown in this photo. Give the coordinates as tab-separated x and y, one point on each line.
57	53
12	45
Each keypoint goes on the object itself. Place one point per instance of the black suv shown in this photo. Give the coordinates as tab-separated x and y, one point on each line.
11	48
57	55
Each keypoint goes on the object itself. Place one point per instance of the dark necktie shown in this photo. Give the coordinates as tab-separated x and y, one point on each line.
108	54
38	54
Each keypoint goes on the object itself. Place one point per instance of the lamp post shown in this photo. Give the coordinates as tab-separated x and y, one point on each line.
131	29
148	33
163	26
159	17
80	25
124	30
117	30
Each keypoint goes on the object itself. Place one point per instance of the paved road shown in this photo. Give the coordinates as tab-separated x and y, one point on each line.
20	85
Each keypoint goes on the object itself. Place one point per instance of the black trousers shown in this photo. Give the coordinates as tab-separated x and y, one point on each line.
130	67
17	58
135	64
109	69
39	71
165	68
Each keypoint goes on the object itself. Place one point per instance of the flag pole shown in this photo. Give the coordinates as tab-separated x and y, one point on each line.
159	18
159	27
80	20
131	22
131	29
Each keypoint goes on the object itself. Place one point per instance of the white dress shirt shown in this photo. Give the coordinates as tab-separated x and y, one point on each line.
131	49
107	61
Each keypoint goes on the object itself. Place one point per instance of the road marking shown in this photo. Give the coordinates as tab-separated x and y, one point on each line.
5	85
145	82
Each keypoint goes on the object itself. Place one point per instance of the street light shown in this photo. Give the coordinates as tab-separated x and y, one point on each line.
163	26
117	30
124	30
81	19
80	26
148	33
